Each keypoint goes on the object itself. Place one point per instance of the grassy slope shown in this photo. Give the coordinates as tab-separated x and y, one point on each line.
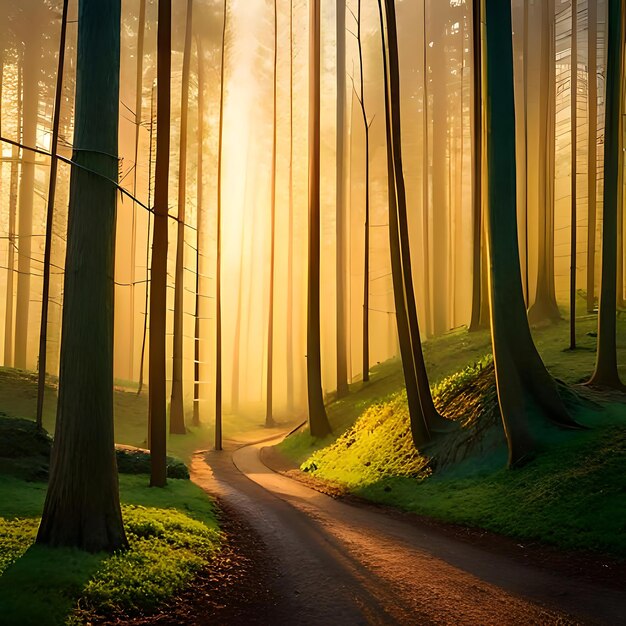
569	496
172	532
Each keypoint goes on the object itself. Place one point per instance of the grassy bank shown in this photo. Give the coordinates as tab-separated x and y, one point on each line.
571	495
173	533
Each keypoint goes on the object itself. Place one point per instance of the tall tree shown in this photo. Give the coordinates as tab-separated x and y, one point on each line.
269	407
177	405
30	111
218	261
318	420
82	507
434	421
141	36
199	233
54	163
366	260
573	174
528	395
340	214
9	336
592	155
158	283
606	373
545	306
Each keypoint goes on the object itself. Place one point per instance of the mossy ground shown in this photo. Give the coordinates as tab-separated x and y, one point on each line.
571	495
173	533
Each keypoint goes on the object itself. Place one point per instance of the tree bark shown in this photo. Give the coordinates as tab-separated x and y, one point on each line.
341	224
177	404
528	396
573	174
158	283
26	196
606	373
218	263
82	507
54	162
592	156
319	425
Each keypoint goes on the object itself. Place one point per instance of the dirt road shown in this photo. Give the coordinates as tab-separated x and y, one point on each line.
336	563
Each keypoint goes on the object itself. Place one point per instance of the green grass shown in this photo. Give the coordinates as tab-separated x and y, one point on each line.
572	495
173	532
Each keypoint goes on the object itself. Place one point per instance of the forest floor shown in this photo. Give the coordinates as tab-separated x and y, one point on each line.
571	496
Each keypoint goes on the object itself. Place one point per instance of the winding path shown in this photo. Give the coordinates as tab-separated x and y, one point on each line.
337	563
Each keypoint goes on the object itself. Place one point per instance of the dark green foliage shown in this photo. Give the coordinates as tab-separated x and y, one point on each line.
134	461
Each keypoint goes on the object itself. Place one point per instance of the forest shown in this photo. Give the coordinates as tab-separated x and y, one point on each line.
312	312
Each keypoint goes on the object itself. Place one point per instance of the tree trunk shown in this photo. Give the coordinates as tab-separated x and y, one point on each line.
592	156
341	224
9	336
197	338
545	306
477	171
269	408
606	373
573	174
158	283
82	507
528	396
434	421
26	197
54	162
177	404
318	420
218	270
290	326
141	28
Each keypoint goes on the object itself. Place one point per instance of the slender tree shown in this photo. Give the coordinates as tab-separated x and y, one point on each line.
528	395
177	405
82	507
158	282
141	32
573	174
9	336
54	163
269	407
592	155
366	260
218	271
606	373
341	225
197	338
318	420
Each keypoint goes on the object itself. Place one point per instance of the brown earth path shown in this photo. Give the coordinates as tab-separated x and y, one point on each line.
333	562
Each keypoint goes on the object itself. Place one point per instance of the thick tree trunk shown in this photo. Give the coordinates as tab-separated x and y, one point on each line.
82	507
9	336
177	403
573	174
528	396
318	420
141	28
269	406
545	306
606	373
54	162
433	420
218	260
158	284
26	197
341	223
197	335
592	155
